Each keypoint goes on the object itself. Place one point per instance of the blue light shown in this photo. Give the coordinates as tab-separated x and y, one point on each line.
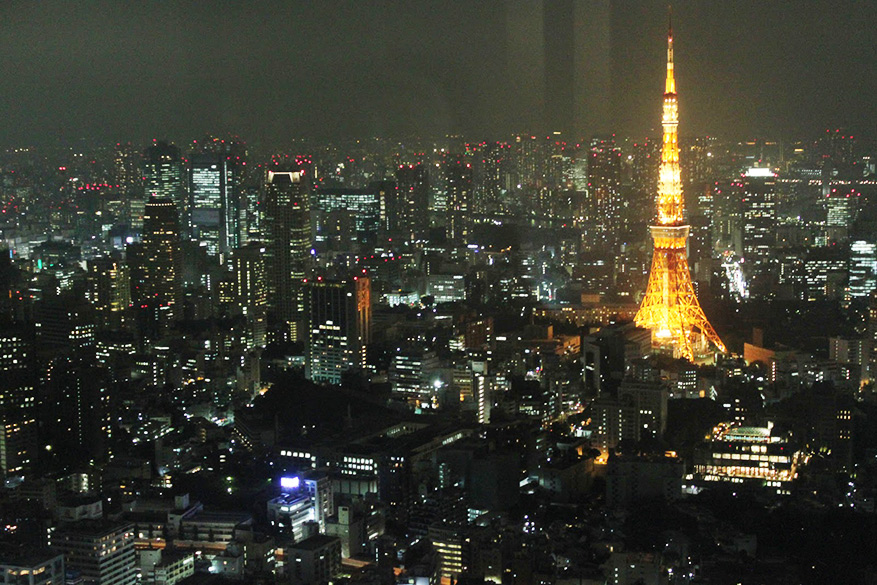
290	483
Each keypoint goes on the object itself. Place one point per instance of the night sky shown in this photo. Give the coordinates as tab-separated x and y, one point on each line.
269	71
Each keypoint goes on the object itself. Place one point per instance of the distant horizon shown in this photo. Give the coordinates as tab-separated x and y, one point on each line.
185	143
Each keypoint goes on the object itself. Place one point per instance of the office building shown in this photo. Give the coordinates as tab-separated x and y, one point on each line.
413	375
872	335
825	273
288	246
250	289
841	208
314	560
158	286
408	207
164	567
64	323
214	203
79	426
18	433
863	268
109	290
28	566
163	177
759	217
347	220
452	546
102	551
632	478
458	200
339	318
604	190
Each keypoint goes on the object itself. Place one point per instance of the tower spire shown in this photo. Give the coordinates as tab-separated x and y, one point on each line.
670	19
671	80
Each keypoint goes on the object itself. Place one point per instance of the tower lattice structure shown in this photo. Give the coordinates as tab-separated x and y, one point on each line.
670	308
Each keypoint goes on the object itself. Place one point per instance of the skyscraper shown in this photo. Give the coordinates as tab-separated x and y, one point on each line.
128	175
863	268
459	199
759	217
604	189
79	423
347	219
161	288
839	215
214	203
408	212
670	308
109	290
288	246
251	289
163	179
339	321
18	427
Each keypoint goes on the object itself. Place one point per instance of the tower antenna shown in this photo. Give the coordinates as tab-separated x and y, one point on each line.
670	20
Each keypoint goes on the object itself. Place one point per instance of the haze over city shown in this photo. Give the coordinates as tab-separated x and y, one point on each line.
339	70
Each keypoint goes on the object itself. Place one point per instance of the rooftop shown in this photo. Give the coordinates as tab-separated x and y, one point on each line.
315	542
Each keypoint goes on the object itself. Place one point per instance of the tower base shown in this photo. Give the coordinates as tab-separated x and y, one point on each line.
670	308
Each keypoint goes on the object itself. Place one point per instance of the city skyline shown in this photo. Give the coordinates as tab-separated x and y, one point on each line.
259	355
343	70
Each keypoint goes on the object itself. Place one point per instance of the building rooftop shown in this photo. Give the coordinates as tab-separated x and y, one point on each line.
315	542
26	556
94	528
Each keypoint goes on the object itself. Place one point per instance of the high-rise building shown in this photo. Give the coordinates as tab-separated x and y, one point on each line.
64	323
492	164
347	219
339	321
459	199
481	390
214	203
825	273
872	335
408	208
604	189
638	412
288	245
251	289
412	374
759	217
128	175
159	262
839	215
670	308
163	179
18	427
109	290
863	268
79	423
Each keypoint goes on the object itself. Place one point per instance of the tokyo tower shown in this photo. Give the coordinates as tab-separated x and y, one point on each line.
670	308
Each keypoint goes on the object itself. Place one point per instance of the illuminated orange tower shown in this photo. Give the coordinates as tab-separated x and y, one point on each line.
670	308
